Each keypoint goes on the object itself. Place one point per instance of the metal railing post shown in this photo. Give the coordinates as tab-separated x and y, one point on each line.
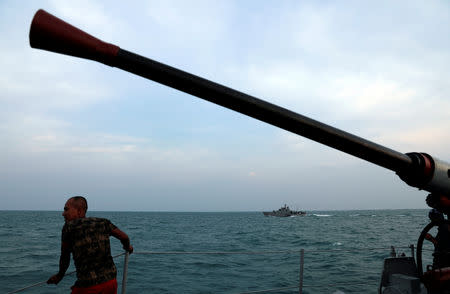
302	260
125	273
412	249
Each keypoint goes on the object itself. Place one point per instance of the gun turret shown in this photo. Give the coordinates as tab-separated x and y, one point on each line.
416	169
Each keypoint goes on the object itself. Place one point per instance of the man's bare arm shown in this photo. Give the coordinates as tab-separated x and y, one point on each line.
123	239
64	262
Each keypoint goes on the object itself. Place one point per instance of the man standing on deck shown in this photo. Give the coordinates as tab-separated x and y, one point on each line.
87	238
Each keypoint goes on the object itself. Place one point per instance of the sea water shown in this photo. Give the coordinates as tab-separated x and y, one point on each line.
344	250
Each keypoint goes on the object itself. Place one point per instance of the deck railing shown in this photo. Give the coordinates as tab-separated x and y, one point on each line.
300	286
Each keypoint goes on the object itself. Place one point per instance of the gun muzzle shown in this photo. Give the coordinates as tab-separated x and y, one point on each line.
50	33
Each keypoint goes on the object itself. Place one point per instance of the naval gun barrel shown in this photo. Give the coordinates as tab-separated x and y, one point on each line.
420	170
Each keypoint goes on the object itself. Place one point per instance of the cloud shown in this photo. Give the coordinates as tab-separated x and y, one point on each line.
362	96
375	75
429	138
93	17
33	80
195	19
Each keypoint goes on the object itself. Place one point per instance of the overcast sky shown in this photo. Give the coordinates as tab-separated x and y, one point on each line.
377	69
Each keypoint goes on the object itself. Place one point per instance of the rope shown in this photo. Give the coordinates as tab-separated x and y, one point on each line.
306	286
214	252
44	282
31	286
339	284
352	249
260	252
269	290
37	284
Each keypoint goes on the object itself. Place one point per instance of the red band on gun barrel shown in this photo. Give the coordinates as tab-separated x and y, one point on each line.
53	34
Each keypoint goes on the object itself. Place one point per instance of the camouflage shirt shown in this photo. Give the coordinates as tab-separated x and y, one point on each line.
88	241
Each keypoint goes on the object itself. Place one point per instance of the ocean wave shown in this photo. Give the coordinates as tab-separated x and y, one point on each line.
267	250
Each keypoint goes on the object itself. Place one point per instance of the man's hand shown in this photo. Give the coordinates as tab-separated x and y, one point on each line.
123	239
129	249
55	279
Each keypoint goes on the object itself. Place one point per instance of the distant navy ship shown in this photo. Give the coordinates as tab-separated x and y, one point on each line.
284	211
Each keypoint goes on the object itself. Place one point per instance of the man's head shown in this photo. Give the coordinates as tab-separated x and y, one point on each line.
75	207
